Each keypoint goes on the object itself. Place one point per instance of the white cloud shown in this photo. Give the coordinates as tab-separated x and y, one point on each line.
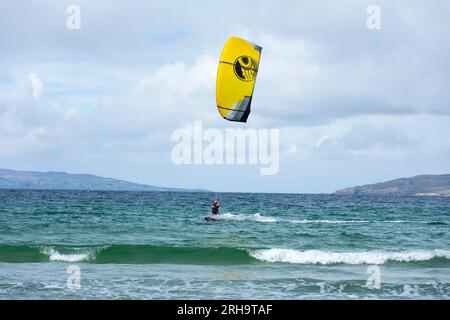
286	64
28	125
176	82
36	85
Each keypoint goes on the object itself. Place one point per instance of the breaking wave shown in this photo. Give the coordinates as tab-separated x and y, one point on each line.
362	257
150	254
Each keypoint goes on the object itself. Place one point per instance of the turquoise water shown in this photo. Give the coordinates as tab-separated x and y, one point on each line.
156	245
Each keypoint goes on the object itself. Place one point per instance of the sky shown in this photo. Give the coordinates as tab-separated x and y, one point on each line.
353	105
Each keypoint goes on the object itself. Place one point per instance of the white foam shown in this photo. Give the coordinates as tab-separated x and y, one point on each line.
324	221
328	257
260	218
54	255
247	217
329	221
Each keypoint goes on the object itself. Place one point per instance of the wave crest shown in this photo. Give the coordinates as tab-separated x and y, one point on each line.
363	257
55	255
149	254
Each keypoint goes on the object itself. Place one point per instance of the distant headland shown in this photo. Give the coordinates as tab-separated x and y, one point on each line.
423	185
12	179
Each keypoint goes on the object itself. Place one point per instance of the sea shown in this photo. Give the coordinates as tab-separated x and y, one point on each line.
157	245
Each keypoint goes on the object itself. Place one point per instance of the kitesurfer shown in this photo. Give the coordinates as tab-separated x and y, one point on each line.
215	208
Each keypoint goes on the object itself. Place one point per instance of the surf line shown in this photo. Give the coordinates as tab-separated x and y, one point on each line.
188	310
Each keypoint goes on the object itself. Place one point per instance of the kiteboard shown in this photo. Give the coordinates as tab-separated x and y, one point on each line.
211	218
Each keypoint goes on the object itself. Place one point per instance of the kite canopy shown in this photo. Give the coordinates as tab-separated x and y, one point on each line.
236	78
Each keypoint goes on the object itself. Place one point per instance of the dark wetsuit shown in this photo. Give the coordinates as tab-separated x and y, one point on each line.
215	209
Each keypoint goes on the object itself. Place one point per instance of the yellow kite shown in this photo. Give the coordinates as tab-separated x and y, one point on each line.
236	78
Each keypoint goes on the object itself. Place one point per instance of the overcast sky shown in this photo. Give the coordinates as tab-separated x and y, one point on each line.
353	105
